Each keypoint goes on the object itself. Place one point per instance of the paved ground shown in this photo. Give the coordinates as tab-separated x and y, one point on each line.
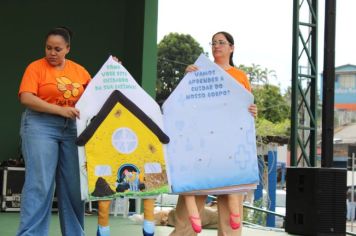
351	226
346	134
246	231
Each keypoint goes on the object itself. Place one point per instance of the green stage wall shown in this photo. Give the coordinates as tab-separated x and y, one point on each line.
124	28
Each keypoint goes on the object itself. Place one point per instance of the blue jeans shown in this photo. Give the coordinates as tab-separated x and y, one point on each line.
51	161
350	213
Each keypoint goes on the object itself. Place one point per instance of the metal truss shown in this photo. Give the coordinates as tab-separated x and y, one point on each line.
304	83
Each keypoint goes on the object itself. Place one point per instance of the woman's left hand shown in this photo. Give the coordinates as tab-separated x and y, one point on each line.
253	110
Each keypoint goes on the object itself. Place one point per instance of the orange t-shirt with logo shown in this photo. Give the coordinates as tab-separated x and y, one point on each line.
240	77
61	87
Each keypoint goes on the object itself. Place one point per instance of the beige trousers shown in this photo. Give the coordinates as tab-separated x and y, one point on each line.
184	228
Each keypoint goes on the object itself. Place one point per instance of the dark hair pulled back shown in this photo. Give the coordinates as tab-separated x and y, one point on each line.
62	31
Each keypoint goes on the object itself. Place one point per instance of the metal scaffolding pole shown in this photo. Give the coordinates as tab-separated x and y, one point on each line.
304	83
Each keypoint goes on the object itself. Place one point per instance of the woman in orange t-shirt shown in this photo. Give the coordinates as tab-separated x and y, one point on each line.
49	89
229	206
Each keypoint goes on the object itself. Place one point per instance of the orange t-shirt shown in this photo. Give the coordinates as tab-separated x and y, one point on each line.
240	77
60	87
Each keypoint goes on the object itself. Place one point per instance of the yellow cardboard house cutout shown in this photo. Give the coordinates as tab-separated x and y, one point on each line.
124	151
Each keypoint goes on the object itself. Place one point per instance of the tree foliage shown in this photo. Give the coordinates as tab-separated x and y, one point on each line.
267	128
258	75
273	111
272	105
175	53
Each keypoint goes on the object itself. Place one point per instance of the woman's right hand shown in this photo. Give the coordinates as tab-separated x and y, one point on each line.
191	68
69	112
37	104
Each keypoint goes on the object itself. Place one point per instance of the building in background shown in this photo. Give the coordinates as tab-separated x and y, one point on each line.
345	94
344	114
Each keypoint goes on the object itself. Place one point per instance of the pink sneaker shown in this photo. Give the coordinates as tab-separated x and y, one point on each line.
196	227
234	225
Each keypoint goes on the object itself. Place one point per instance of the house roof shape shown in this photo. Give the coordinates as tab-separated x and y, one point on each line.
346	68
118	97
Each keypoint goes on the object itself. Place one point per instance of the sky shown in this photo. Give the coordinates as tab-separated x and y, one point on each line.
262	30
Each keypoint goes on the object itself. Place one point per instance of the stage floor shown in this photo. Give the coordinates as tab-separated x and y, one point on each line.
119	226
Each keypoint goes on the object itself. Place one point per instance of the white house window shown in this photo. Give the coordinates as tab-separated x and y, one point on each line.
124	140
347	81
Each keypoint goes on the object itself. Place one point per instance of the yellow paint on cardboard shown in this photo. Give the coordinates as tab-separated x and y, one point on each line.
100	150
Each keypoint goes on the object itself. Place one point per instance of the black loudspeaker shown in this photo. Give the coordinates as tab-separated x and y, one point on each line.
316	201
